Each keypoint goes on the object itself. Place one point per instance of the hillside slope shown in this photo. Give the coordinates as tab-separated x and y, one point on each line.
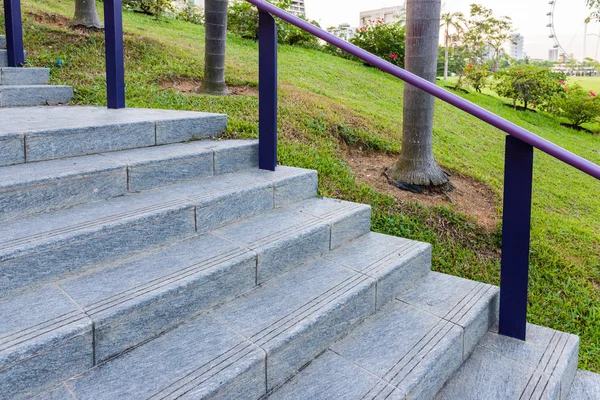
330	108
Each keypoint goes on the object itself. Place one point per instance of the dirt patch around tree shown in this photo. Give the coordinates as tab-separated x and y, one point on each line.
469	197
191	86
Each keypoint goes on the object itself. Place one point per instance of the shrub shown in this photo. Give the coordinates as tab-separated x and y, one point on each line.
383	40
476	76
243	21
150	7
530	85
577	105
190	12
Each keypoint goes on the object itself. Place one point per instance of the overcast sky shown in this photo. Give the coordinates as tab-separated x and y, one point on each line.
529	19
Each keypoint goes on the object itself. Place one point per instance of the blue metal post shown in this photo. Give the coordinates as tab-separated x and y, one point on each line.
14	33
115	64
267	92
516	233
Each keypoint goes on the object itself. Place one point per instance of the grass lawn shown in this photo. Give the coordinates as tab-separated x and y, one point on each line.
325	100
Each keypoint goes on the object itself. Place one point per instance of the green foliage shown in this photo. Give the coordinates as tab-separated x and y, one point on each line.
190	12
150	7
456	60
529	85
476	76
577	105
243	21
385	40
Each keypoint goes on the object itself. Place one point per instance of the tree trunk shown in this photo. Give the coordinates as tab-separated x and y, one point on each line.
215	12
447	55
86	15
416	165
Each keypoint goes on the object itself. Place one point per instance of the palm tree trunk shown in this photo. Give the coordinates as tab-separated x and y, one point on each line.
446	55
215	12
86	15
416	165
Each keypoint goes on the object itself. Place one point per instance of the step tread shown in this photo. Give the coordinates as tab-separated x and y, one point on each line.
47	185
196	360
543	367
404	345
586	386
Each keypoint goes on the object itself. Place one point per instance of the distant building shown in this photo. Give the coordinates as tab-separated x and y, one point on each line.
297	8
553	55
343	31
388	14
516	46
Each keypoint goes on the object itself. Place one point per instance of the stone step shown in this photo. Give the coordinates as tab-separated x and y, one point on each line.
49	185
24	76
405	351
278	327
543	367
29	134
131	302
4	54
586	386
47	247
34	95
2	42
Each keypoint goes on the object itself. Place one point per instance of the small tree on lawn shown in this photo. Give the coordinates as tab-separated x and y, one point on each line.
529	85
450	21
86	15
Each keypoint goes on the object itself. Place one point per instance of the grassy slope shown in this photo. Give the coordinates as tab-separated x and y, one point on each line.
322	96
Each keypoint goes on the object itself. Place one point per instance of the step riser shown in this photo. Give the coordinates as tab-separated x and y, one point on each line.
28	96
107	177
4	55
2	42
24	76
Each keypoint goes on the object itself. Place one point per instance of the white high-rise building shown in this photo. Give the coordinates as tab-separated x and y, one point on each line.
553	55
388	14
515	48
298	8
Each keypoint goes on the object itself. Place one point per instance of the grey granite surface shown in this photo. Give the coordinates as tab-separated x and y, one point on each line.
12	149
410	349
586	386
296	316
34	95
199	359
40	187
543	367
332	377
24	76
137	300
394	262
44	338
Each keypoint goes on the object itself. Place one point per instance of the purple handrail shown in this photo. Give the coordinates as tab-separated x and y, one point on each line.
506	126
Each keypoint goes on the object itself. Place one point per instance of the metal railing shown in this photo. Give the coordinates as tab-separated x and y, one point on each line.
518	175
519	142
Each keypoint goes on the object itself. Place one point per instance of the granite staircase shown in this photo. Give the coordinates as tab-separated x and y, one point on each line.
141	259
28	86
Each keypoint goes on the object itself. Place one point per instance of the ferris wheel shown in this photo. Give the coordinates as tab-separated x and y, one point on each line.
553	36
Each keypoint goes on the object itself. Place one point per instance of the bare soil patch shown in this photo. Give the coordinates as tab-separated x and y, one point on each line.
469	196
190	86
55	20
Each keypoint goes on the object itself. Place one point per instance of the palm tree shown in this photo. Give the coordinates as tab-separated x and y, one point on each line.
457	22
416	165
215	12
86	15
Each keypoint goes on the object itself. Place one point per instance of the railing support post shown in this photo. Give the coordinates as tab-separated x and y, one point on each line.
115	63
267	92
516	234
14	33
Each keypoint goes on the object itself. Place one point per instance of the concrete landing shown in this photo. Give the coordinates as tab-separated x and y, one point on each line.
586	386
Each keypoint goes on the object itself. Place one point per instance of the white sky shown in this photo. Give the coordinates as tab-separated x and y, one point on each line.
529	19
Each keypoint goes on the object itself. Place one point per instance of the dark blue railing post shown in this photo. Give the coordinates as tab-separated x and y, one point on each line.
267	92
14	33
516	234
115	63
